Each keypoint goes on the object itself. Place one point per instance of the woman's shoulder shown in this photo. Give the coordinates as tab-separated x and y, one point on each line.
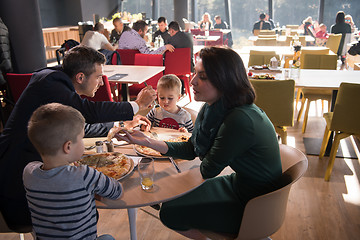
243	113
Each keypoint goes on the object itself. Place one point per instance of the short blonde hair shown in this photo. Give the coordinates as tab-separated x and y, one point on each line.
53	124
170	82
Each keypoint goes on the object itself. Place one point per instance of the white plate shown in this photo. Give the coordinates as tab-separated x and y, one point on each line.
146	155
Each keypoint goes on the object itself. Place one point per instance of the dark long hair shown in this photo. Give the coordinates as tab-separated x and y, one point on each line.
225	70
340	17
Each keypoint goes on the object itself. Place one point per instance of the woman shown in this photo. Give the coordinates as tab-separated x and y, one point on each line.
341	27
349	20
205	24
229	131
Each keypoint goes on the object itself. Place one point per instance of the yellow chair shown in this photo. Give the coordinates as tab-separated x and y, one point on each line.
267	32
264	215
261	57
292	26
256	32
266	36
344	121
302	40
276	98
333	42
265	42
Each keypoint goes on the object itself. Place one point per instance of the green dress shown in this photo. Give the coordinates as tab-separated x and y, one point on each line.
246	141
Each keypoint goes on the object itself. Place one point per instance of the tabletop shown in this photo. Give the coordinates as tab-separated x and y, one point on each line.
169	184
282	38
135	74
206	38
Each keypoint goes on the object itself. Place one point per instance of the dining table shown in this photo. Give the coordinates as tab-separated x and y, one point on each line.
282	38
130	74
169	183
200	39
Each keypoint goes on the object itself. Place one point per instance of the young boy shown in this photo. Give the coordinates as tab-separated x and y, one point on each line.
170	115
60	196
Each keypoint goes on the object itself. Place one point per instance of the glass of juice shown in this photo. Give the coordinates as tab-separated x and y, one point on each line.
146	172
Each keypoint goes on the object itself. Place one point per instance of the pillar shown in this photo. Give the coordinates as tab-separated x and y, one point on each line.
270	9
321	11
227	4
155	9
22	17
194	11
180	11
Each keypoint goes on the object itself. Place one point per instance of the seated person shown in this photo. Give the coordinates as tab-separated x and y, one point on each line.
220	24
170	115
162	31
205	24
180	39
322	35
309	27
134	39
61	195
262	24
96	39
117	31
267	18
349	20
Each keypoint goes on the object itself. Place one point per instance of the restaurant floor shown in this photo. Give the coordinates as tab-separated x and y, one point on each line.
316	209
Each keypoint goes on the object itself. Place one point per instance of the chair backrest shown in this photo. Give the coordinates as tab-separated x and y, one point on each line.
127	56
178	62
265	214
333	42
292	26
17	83
261	57
346	116
147	60
3	226
197	31
256	32
265	42
103	94
276	98
315	52
302	40
267	32
219	42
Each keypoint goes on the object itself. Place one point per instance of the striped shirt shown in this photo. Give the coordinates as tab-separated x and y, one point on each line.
162	118
61	200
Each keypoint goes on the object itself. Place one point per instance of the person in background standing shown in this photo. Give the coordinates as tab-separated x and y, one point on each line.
117	31
205	24
162	31
342	27
220	24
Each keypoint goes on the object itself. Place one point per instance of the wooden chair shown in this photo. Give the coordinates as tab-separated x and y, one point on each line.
276	98
265	42
179	63
17	84
256	32
344	121
261	57
292	26
103	94
267	32
266	36
265	214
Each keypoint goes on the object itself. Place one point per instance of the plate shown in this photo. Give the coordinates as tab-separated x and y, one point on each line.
147	155
130	170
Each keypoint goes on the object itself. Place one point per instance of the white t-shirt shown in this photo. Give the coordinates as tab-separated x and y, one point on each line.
94	40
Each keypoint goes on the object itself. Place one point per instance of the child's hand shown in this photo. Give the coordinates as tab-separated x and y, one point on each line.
182	129
144	127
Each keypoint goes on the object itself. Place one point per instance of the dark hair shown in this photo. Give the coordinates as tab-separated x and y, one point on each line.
99	27
140	24
340	17
174	25
262	16
225	70
82	59
161	19
217	17
117	19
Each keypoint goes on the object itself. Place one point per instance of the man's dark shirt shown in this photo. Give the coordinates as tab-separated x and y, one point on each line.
115	36
16	151
183	40
266	25
165	35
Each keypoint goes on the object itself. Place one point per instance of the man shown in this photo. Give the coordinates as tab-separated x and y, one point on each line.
262	24
220	24
162	31
117	31
134	39
267	18
80	74
181	39
96	39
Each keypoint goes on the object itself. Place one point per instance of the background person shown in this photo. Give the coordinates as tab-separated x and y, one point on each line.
80	74
96	39
220	24
162	31
349	20
55	190
229	131
322	35
342	27
262	24
119	28
205	24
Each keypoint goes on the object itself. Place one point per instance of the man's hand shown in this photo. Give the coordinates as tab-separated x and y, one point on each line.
145	97
169	47
138	120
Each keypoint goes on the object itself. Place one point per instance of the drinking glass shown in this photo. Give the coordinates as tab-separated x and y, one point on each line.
146	172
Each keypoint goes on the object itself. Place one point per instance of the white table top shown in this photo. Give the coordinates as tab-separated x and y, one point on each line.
207	39
136	74
282	38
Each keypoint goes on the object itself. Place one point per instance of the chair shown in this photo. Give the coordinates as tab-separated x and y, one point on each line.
219	42
256	32
292	26
333	42
179	63
103	94
147	60
261	57
193	113
267	36
344	121
197	31
127	56
265	42
267	32
264	215
17	84
5	229
276	98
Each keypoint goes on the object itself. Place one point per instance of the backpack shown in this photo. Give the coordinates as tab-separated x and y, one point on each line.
355	49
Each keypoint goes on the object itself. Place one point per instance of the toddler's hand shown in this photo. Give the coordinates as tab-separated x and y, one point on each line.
182	129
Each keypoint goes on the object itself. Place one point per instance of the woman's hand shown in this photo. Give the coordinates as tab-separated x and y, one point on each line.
138	120
135	137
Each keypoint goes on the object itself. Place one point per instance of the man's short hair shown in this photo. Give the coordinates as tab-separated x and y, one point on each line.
99	27
217	17
170	82
82	59
174	25
139	25
262	16
52	125
161	19
117	19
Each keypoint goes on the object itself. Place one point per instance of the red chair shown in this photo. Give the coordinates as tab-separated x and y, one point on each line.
218	42
147	60
103	94
179	63
197	31
17	84
127	56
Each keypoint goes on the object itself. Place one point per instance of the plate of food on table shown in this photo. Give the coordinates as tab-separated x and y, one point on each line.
261	76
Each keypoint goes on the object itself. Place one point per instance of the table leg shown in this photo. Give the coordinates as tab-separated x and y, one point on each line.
332	106
125	92
132	221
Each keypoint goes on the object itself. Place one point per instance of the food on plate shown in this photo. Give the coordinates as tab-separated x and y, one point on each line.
116	130
151	152
114	164
262	67
264	76
250	74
